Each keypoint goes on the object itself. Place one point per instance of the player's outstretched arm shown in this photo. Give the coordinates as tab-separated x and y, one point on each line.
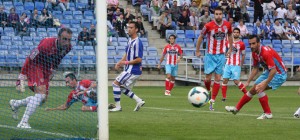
61	107
252	75
199	41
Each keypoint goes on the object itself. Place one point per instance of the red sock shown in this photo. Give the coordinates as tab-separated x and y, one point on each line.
242	87
94	108
167	84
224	90
265	104
207	84
245	99
172	83
215	90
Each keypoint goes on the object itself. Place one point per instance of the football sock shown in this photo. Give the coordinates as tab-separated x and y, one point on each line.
207	84
298	111
215	90
172	85
117	94
245	99
22	102
264	102
242	87
131	95
167	84
33	103
94	108
224	90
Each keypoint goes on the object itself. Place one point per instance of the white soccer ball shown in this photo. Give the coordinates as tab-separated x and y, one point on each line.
198	96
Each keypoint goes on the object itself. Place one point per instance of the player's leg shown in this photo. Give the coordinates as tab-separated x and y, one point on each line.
128	85
34	102
226	76
89	108
173	75
240	85
236	74
209	67
16	104
117	96
168	79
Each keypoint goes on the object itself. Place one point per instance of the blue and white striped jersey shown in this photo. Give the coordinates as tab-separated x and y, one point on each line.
134	49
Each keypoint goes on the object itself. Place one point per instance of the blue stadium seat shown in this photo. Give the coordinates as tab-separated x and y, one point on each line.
52	34
88	48
86	23
92	52
88	15
27	38
267	41
7	38
168	33
70	17
3	47
287	60
276	41
17	43
80	6
296	61
24	47
189	34
2	60
29	6
77	48
18	3
19	9
39	6
122	39
286	51
277	46
287	46
122	43
42	34
110	61
33	34
76	13
117	58
66	63
189	43
76	60
286	42
8	43
16	38
65	21
197	33
180	33
41	30
188	51
11	61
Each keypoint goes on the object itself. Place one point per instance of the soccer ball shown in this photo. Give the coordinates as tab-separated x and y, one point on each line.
198	96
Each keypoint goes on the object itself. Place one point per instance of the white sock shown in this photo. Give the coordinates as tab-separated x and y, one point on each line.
131	95
298	111
22	102
34	102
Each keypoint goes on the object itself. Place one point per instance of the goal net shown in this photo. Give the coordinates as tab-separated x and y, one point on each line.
47	87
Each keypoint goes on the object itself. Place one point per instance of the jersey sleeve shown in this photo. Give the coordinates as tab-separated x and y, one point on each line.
139	49
229	28
85	83
255	60
180	50
268	58
164	52
243	48
205	29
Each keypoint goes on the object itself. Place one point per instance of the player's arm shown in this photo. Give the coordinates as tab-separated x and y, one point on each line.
61	107
180	55
243	54
252	75
230	39
138	56
199	42
162	57
119	64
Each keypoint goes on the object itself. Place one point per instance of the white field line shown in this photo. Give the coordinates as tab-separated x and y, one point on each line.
216	112
38	131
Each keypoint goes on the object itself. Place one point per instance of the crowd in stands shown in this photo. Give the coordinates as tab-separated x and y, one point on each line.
250	16
22	15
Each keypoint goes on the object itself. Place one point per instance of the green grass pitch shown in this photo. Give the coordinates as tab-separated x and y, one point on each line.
162	118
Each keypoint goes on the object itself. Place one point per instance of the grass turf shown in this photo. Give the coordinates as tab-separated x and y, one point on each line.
162	118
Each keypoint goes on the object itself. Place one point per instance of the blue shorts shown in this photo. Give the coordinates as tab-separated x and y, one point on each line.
276	82
232	72
214	63
91	102
171	69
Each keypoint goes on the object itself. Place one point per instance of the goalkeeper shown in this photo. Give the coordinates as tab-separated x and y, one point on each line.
83	91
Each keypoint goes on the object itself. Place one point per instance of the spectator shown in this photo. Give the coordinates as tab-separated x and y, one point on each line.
92	35
110	13
164	6
234	12
128	16
175	11
120	25
290	14
268	30
279	31
288	31
243	6
205	9
268	6
184	22
280	13
224	4
22	27
194	19
154	11
186	8
182	3
258	30
213	5
204	19
243	29
258	10
46	19
297	6
194	8
26	18
111	29
34	18
53	4
231	21
296	29
142	32
83	37
165	22
13	18
117	13
64	4
112	2
3	17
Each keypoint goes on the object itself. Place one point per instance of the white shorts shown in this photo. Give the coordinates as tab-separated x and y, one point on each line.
127	80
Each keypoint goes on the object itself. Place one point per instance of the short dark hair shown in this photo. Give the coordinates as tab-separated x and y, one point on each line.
219	8
255	36
68	30
238	29
173	36
136	25
71	76
139	17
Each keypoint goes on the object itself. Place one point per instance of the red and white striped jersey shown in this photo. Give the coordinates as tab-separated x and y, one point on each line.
172	53
238	48
216	36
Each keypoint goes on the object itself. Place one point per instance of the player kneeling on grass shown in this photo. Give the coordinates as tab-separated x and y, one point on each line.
274	76
39	68
174	54
83	91
233	65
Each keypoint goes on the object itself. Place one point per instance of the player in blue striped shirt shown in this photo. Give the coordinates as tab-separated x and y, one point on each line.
132	63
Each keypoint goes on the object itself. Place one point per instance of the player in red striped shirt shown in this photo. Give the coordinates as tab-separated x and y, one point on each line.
173	54
233	65
216	32
274	76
